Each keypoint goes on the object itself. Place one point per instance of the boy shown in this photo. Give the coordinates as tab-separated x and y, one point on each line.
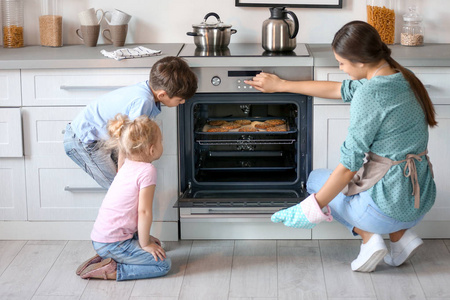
171	83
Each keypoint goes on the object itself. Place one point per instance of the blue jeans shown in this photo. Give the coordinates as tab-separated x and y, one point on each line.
358	210
132	261
97	162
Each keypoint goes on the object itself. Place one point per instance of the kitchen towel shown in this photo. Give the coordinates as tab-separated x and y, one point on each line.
139	51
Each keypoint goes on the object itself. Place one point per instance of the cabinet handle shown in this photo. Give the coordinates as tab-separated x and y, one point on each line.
84	189
90	87
427	86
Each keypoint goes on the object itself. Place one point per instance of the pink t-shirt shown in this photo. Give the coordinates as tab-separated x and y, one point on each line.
117	218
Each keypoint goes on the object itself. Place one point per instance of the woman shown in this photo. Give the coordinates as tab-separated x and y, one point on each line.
389	117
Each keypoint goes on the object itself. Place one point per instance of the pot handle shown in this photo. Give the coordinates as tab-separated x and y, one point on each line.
233	31
194	34
212	14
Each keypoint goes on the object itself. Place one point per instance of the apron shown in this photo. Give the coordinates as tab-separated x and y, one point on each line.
377	166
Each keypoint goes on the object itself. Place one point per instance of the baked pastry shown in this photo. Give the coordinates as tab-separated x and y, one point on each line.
243	122
277	128
247	129
275	122
216	122
230	125
261	125
217	129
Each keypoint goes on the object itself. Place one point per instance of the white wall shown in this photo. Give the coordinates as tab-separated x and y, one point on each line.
167	21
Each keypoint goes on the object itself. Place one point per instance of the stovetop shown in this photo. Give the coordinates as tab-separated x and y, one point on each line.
241	50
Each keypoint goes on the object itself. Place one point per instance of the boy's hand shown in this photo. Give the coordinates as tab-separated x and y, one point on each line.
156	251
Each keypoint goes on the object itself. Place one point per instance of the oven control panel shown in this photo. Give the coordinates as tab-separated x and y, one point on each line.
231	80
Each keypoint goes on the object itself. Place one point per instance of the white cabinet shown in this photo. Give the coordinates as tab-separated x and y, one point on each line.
57	189
12	170
10	132
68	87
12	194
10	88
331	120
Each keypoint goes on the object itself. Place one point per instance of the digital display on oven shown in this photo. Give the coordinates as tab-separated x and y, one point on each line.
243	73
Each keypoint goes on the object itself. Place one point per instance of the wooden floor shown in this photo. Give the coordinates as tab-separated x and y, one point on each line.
215	270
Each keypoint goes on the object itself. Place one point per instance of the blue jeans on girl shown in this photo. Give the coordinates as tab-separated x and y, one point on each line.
358	210
132	261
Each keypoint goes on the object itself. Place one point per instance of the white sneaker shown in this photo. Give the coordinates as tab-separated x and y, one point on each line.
370	255
403	249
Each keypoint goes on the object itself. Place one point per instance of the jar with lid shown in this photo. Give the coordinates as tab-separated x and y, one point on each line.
412	30
381	15
50	23
12	23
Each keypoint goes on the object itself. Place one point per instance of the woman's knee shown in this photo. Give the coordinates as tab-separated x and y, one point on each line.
317	179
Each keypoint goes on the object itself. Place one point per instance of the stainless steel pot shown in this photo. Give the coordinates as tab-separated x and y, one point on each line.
212	35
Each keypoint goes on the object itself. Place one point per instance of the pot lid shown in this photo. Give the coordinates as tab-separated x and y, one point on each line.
412	15
208	25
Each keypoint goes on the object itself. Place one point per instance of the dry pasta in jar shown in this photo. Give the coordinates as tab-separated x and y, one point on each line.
381	15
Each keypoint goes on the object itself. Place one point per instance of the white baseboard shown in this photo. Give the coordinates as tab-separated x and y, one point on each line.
26	230
168	231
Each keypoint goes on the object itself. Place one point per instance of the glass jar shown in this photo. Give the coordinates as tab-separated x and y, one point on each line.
12	23
412	30
381	15
50	23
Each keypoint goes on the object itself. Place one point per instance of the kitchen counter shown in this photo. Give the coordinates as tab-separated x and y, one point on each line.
429	55
79	56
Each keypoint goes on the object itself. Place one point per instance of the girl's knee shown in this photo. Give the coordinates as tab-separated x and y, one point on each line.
166	265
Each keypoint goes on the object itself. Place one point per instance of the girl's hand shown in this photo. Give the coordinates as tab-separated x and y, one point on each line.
265	82
155	240
156	251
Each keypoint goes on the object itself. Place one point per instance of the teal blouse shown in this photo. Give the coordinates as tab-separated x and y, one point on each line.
386	119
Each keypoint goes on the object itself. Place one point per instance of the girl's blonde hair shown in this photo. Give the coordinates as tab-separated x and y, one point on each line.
133	138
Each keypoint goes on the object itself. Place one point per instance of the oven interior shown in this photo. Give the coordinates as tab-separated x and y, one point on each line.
244	168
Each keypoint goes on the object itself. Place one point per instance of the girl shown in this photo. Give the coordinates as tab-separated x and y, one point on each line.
389	117
121	231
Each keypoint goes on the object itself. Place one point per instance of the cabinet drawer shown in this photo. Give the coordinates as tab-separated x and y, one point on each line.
13	202
75	87
43	129
10	132
57	189
329	74
436	81
10	88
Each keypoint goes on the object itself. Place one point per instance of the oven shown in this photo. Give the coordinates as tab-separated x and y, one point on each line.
243	154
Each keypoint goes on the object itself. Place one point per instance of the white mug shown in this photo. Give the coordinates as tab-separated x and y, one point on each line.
90	16
118	17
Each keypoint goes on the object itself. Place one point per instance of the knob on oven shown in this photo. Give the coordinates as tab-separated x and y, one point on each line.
216	80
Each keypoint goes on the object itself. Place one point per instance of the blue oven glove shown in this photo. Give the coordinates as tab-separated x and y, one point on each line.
306	214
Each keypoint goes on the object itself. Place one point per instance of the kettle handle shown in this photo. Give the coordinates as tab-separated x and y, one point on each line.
212	14
294	17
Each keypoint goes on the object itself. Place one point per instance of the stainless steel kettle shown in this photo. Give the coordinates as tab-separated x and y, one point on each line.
279	32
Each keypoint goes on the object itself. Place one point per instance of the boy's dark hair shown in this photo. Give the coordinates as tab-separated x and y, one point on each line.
174	76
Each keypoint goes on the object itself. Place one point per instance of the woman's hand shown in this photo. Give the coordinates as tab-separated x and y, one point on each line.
155	250
266	83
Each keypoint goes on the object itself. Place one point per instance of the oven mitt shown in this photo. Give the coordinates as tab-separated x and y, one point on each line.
306	214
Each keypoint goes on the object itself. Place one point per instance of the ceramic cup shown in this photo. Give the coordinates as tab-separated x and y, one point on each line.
116	34
89	34
117	17
91	16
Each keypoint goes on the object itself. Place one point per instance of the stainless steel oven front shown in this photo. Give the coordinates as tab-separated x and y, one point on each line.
237	177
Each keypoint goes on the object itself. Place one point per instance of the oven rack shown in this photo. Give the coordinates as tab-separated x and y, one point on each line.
245	142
